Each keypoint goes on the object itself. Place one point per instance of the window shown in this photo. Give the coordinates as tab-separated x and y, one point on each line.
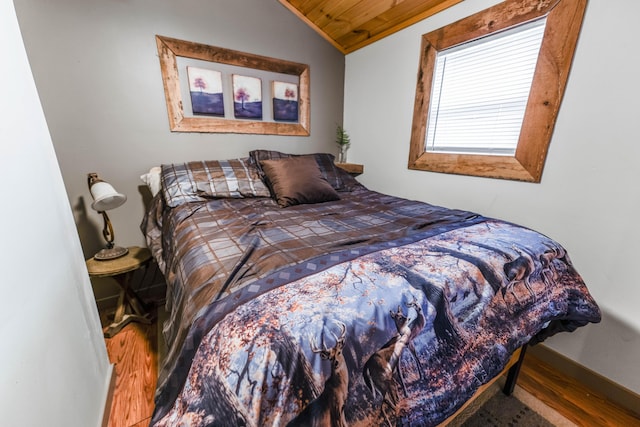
480	91
489	89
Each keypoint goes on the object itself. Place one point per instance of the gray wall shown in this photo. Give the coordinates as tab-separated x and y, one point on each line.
96	67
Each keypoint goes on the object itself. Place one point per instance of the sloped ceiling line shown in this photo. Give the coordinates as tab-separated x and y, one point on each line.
352	24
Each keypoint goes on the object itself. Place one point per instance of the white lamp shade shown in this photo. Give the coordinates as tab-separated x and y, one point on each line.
105	197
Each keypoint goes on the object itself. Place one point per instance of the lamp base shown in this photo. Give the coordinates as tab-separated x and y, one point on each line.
111	253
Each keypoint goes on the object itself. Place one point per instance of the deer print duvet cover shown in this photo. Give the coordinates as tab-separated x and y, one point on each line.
399	331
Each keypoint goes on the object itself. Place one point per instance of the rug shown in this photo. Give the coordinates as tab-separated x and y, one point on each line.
521	409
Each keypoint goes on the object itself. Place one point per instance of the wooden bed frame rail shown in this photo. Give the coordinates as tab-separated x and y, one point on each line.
512	369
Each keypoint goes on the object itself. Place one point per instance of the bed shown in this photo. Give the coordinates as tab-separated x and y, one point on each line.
296	296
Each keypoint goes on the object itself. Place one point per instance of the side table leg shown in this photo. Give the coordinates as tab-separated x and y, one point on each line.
126	299
121	310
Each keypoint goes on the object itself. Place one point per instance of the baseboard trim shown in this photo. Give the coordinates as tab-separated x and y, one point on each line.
109	401
614	391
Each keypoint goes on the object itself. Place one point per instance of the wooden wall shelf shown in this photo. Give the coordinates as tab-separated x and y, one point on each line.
352	168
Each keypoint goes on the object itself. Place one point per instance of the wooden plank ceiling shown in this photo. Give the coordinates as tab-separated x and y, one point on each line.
352	24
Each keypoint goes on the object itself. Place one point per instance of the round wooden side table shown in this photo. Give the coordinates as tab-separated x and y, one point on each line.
130	306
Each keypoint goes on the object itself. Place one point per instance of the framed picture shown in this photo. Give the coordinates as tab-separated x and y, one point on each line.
285	101
205	87
247	97
169	50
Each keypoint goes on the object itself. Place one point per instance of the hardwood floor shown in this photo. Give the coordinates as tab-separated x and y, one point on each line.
135	355
572	399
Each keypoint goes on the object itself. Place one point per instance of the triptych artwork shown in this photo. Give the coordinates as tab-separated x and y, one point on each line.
208	96
232	91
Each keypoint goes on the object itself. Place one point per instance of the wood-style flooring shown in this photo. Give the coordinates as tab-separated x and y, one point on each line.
135	355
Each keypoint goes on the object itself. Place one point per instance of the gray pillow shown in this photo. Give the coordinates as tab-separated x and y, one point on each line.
201	180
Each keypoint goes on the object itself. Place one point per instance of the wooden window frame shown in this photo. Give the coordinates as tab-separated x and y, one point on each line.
168	51
564	20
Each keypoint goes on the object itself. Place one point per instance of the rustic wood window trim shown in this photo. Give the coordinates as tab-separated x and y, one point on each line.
564	19
169	49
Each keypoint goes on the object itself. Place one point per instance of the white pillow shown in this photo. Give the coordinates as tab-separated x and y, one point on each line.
152	179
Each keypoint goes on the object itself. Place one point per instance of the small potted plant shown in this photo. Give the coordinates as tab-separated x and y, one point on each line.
343	141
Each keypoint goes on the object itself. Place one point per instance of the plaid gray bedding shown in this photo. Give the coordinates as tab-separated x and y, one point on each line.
208	250
252	288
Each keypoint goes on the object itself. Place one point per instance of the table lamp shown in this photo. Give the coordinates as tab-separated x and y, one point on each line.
105	198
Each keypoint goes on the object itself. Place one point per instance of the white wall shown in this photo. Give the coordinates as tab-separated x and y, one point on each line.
54	368
589	197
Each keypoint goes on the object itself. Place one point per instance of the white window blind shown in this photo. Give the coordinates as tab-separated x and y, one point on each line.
480	91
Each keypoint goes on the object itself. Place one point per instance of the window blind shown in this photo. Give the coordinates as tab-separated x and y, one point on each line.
480	91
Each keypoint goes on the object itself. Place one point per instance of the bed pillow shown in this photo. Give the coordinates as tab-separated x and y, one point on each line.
338	178
152	179
202	180
297	180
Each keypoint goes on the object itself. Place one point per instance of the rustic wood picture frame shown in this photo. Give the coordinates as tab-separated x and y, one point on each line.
168	51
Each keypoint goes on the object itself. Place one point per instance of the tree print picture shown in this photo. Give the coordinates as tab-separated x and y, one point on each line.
205	87
285	101
247	97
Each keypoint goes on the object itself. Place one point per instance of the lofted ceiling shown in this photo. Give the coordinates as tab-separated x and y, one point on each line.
352	24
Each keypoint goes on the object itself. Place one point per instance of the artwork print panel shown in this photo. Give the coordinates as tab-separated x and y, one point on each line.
205	87
285	101
247	97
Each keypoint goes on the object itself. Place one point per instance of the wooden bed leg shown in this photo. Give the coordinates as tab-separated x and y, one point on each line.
512	375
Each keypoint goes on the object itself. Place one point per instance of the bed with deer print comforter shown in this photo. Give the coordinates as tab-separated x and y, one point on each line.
369	310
